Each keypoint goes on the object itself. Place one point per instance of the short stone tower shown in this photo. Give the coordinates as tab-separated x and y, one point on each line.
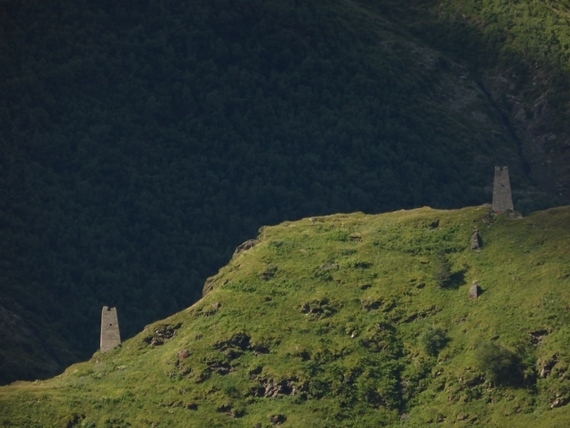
502	198
110	335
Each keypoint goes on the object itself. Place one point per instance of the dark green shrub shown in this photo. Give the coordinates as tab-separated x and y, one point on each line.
499	364
442	273
433	339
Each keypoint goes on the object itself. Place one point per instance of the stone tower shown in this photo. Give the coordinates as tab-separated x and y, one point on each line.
502	198
110	335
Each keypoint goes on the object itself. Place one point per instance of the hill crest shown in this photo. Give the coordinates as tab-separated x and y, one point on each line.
346	320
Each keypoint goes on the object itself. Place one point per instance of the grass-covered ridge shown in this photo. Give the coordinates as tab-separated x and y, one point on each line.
346	320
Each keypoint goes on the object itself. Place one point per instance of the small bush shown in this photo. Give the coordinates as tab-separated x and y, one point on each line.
500	365
442	274
433	339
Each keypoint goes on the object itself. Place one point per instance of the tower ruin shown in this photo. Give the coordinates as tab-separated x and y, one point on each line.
110	335
502	198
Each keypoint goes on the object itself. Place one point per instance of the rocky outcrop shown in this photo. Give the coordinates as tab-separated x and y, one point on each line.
161	333
245	246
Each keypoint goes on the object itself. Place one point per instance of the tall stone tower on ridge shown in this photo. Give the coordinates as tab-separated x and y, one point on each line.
502	198
110	335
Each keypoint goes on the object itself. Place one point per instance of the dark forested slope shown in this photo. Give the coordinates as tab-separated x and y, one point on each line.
142	141
520	52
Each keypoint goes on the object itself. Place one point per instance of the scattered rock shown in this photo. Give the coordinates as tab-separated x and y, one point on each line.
212	310
208	285
277	419
356	237
255	371
182	355
238	340
424	313
361	265
514	215
161	334
270	388
477	380
202	376
303	355
318	308
245	246
230	411
268	273
546	366
371	304
537	336
259	349
328	266
224	408
75	420
219	367
156	341
558	401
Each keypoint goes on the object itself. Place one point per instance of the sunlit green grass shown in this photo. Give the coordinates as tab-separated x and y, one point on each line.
324	322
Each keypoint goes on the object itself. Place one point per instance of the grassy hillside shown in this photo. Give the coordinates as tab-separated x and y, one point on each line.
346	320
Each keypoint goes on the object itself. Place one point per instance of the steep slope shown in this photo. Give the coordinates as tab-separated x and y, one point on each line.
29	349
346	320
142	142
520	52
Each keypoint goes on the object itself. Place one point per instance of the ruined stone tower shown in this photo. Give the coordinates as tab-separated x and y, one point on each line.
502	198
110	335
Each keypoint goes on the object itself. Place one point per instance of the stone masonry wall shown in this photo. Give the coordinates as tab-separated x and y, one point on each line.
110	334
502	198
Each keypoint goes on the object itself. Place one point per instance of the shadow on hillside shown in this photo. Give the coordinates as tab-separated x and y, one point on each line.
456	279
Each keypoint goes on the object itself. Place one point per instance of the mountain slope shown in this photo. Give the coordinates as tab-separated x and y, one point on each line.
141	141
520	53
141	144
346	320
